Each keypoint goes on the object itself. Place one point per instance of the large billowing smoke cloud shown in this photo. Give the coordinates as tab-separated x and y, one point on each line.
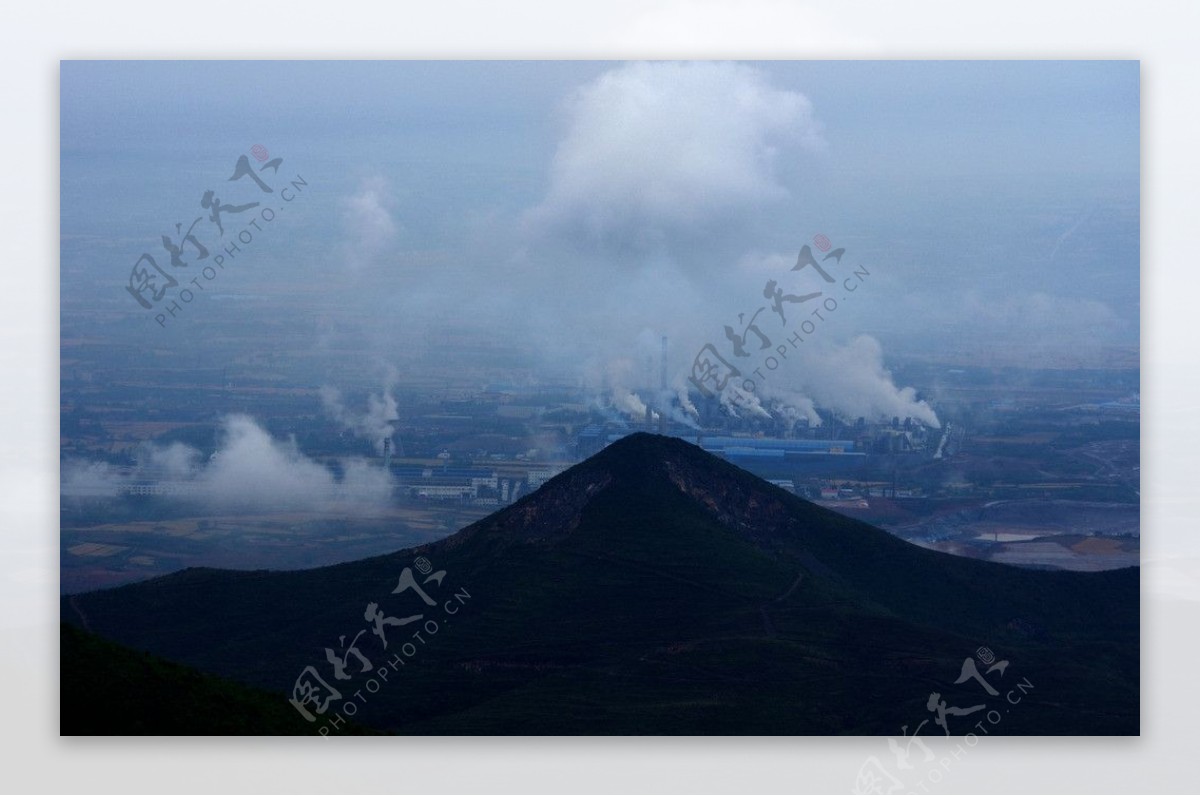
658	148
250	470
657	156
667	179
250	464
849	380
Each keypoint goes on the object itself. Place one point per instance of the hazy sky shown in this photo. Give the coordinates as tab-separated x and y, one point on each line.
586	208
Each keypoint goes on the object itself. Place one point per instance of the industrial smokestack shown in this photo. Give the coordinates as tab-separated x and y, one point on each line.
387	454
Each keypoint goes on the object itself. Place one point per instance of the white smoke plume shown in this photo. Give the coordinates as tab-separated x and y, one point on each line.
376	424
849	380
629	403
250	470
737	401
611	386
794	407
680	385
668	403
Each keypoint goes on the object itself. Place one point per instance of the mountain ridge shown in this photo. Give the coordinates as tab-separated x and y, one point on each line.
649	554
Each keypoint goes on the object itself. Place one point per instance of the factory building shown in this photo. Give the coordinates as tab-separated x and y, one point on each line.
159	488
748	447
446	483
775	458
444	491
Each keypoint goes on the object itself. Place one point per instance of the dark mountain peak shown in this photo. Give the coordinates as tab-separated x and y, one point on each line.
649	470
650	498
643	454
642	446
646	461
734	497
